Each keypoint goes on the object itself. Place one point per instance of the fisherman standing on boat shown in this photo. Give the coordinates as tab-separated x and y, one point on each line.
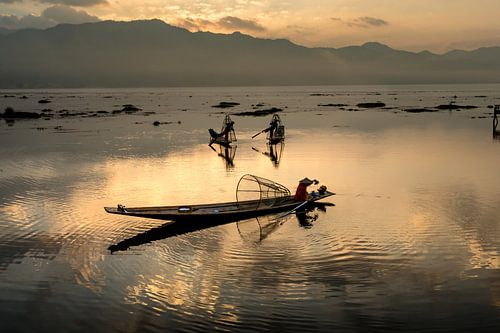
301	192
224	134
273	126
276	130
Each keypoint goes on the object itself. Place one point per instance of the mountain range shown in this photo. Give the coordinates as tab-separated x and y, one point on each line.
153	53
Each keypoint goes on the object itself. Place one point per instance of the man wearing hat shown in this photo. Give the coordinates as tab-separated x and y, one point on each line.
301	192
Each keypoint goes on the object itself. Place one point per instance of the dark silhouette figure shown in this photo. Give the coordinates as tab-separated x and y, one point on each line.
275	131
226	135
273	126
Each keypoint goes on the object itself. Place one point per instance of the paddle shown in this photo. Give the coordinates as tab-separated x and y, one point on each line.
258	133
292	211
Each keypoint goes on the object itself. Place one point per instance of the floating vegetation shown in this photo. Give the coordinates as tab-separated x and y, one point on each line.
371	105
452	106
224	105
11	114
259	113
333	105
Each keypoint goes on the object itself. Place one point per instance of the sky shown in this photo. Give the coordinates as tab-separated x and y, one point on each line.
415	25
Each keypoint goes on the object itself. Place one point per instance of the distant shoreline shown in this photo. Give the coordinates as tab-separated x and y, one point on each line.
336	86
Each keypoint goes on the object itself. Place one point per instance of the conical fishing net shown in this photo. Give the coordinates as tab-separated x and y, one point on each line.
228	127
264	192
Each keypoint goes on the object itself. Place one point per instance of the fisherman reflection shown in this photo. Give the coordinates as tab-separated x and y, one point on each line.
228	154
306	219
308	216
274	152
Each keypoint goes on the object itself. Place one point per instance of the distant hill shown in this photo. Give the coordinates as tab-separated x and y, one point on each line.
4	31
153	53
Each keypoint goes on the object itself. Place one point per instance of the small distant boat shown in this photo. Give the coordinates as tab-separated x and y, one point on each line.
266	197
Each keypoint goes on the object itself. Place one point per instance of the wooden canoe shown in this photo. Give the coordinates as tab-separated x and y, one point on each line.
230	211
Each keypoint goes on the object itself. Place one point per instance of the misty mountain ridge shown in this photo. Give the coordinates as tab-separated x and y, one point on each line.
153	53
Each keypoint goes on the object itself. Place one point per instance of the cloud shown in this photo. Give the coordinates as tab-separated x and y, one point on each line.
373	21
65	14
48	18
235	23
194	24
74	3
227	23
22	22
362	22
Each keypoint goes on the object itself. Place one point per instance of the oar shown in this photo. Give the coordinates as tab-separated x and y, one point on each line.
293	210
258	133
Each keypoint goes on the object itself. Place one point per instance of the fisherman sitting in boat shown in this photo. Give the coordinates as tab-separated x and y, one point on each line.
301	192
222	137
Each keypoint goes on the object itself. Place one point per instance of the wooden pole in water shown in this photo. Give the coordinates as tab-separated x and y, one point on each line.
496	112
495	116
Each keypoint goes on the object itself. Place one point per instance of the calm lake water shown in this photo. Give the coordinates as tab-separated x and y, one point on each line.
412	244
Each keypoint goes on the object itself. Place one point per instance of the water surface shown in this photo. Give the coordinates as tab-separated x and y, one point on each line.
412	243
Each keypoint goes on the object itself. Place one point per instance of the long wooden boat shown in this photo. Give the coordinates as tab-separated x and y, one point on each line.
230	211
172	229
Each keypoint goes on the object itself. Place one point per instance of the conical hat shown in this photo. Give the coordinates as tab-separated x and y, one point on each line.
306	181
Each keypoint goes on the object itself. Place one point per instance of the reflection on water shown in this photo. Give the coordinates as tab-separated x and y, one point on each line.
274	152
266	225
227	153
258	229
496	132
412	243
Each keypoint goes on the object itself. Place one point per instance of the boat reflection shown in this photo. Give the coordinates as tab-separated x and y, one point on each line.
274	152
264	227
227	153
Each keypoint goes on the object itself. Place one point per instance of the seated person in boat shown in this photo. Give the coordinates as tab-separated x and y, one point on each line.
301	192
